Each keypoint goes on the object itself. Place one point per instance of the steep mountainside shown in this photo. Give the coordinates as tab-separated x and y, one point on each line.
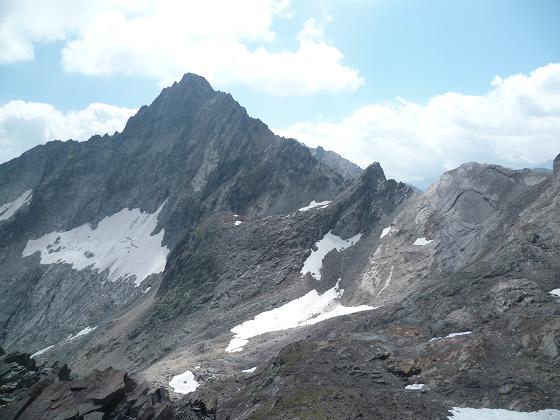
203	254
91	207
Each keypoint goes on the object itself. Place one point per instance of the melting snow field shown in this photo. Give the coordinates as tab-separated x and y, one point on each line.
555	292
459	413
306	310
385	232
314	204
122	243
184	383
314	262
422	241
9	209
414	386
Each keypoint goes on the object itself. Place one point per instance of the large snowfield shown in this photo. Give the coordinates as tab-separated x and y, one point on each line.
306	310
121	243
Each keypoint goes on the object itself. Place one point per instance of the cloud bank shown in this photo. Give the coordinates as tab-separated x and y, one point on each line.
516	124
164	39
24	125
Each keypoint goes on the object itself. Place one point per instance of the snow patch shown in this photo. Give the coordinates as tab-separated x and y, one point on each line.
452	335
306	310
458	334
122	243
422	241
460	413
9	209
314	204
237	222
385	232
85	331
185	383
555	292
414	386
46	349
147	289
314	262
251	370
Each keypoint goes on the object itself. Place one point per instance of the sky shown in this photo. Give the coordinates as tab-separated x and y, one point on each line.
419	86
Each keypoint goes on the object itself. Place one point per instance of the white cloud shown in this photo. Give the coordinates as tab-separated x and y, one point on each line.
516	124
27	124
165	38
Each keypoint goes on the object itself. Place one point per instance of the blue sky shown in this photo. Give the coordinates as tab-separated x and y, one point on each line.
389	52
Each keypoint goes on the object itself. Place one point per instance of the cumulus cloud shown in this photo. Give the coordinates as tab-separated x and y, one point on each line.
166	38
27	124
516	124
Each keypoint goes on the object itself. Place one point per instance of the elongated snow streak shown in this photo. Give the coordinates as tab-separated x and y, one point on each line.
306	310
314	262
460	413
121	243
185	383
38	353
85	331
422	241
459	334
9	209
414	386
251	370
385	232
71	337
314	204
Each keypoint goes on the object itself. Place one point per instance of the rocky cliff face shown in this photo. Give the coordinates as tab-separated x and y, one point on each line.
205	255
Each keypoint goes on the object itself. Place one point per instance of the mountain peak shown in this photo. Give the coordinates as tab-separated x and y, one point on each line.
192	80
173	105
373	174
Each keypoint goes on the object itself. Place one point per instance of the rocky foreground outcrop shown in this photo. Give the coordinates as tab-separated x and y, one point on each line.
31	392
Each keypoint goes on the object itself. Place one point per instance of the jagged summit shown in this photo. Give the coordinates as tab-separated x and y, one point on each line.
373	173
176	105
